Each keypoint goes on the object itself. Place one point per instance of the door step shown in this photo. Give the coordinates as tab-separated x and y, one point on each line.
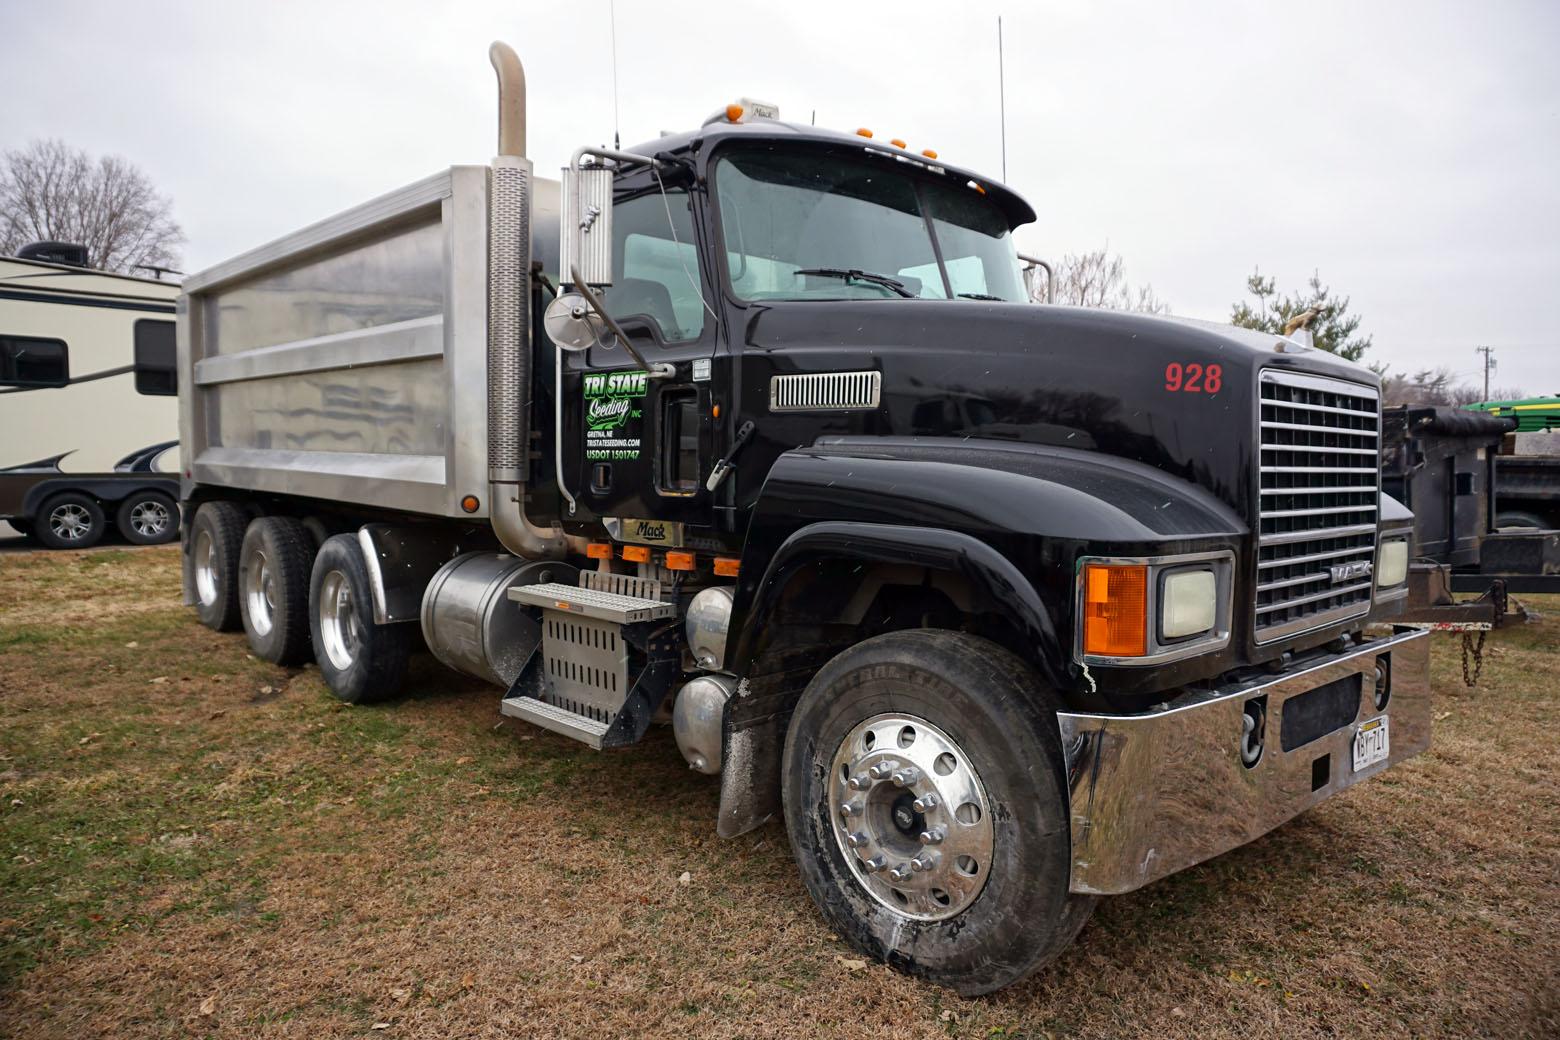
608	656
592	603
560	720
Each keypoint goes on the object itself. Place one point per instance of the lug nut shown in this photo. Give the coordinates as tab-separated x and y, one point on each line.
856	840
873	865
900	873
859	782
934	835
906	776
925	803
925	861
851	809
883	769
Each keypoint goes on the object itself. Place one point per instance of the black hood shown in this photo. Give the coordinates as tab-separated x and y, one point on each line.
1172	393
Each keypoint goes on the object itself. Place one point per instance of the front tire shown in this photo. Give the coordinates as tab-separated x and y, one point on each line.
926	805
148	518
273	588
360	661
70	520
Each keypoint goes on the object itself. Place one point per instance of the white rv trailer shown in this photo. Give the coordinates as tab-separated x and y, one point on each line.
88	401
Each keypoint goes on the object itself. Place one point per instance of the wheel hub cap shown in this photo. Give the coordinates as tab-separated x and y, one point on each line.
911	816
70	522
340	631
205	568
259	593
149	518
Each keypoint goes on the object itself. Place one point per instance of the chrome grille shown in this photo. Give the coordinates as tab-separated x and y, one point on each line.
1319	471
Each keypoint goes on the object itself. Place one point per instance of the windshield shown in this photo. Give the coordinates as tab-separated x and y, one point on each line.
807	226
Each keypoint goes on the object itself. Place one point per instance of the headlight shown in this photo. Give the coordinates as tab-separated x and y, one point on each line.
1153	609
1188	603
1392	563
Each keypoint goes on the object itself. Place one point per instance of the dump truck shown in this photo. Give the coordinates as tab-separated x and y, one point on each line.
1001	607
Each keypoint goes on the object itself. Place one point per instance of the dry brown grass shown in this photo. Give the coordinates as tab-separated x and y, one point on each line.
198	843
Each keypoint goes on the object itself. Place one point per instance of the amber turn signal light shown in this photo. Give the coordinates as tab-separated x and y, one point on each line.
1115	609
727	567
470	503
636	553
599	551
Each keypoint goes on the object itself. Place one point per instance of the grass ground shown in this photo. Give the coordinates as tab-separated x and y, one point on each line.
197	843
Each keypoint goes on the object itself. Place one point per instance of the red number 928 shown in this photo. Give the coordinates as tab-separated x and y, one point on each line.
1192	378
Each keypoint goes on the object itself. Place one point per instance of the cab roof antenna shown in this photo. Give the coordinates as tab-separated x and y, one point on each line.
617	141
1002	97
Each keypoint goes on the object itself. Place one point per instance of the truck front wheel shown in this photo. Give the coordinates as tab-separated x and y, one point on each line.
925	802
359	660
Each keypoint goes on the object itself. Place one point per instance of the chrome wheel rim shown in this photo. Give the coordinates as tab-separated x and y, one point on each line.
149	518
70	522
341	633
205	568
911	817
259	592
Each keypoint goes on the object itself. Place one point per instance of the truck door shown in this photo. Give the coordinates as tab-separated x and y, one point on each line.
642	448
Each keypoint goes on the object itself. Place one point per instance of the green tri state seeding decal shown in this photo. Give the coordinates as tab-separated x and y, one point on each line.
614	414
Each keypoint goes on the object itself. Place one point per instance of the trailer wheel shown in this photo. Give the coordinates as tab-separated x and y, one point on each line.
360	661
273	588
925	802
70	520
216	535
148	518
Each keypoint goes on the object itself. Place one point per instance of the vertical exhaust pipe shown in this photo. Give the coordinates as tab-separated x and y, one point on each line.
509	322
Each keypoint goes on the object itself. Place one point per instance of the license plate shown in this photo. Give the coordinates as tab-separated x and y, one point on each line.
1371	743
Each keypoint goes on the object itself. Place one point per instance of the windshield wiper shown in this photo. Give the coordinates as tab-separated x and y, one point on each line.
856	275
980	296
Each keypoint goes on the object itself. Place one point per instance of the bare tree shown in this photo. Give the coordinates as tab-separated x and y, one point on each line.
50	191
1437	386
1098	279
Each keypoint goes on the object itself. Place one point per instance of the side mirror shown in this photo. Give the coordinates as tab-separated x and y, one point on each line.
572	324
585	225
1033	265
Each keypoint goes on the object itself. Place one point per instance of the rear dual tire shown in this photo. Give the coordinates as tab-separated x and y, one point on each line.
273	588
361	661
992	902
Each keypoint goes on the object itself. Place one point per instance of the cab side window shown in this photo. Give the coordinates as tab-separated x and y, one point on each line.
656	278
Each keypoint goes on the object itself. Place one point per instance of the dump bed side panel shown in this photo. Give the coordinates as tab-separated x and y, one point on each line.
348	361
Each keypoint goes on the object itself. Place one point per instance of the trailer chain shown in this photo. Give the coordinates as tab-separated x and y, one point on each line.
1476	651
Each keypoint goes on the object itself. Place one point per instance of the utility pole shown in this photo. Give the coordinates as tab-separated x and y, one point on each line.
1489	363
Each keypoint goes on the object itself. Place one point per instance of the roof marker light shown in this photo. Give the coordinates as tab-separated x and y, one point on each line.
863	132
733	113
897	143
928	153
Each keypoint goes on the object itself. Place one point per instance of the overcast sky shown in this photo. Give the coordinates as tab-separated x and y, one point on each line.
1410	151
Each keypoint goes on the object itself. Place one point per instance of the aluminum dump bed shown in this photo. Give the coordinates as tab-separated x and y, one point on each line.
348	361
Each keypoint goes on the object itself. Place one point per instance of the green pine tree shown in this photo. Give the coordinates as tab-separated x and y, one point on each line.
1333	329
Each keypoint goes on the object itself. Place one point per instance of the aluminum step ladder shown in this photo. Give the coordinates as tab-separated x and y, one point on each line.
608	656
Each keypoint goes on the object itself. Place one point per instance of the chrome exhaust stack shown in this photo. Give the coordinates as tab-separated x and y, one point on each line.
509	322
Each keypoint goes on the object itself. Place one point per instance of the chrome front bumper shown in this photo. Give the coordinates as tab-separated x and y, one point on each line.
1156	793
